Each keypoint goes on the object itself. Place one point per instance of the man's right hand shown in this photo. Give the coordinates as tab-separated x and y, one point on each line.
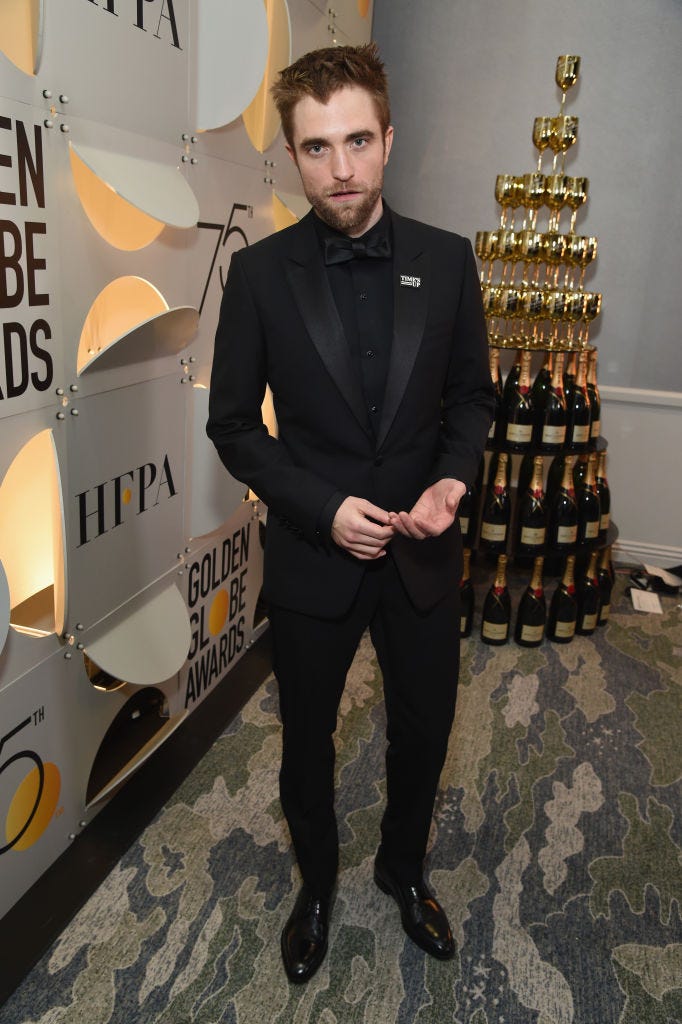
362	529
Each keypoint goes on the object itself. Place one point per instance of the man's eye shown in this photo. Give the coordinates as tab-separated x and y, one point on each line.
359	143
316	149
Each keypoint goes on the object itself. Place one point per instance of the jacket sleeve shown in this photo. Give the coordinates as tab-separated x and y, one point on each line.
468	400
298	497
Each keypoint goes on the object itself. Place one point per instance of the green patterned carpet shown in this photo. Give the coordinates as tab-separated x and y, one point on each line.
557	851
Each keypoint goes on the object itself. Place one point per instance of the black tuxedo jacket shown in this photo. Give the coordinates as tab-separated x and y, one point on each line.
279	324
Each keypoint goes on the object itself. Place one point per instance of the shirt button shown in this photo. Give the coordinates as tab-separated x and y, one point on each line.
372	408
369	353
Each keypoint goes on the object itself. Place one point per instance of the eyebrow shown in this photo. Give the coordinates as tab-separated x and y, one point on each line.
364	133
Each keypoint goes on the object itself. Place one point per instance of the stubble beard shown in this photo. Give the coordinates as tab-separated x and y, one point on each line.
350	217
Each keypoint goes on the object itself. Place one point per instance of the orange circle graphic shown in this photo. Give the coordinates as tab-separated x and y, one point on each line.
23	802
363	7
127	495
218	613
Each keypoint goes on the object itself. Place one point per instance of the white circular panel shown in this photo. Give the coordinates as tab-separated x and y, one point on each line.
155	188
230	59
4	607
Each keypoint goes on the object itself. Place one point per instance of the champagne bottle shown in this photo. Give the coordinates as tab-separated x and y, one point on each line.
580	471
466	512
525	473
578	409
588	599
532	517
539	394
554	478
497	608
587	500
593	396
518	410
551	424
466	597
532	613
563	609
497	509
569	372
495	432
604	498
492	469
512	377
605	579
562	529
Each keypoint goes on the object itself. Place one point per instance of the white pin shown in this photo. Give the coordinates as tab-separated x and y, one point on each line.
407	281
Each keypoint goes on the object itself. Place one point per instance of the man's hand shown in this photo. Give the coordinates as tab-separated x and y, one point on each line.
434	511
362	529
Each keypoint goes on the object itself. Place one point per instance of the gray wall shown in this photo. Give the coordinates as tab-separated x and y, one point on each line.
467	79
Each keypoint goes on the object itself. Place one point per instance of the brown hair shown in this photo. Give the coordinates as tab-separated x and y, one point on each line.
323	72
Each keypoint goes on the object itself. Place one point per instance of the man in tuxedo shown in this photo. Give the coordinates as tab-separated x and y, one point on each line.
370	331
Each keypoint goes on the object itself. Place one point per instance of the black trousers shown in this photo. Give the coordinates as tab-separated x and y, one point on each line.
418	654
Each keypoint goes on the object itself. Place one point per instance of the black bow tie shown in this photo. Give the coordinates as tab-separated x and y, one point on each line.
339	248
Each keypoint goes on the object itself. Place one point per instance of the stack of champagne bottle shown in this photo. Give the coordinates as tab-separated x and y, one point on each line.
580	602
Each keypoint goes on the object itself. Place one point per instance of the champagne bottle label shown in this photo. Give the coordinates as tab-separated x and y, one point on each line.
590	621
553	435
531	634
604	613
595	429
495	630
463	624
464	525
519	433
591	529
567	534
564	628
491	432
581	434
604	521
494	531
533	536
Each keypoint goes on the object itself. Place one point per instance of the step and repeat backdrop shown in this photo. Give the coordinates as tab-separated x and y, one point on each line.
138	150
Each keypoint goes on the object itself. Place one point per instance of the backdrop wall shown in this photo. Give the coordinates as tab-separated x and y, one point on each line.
467	79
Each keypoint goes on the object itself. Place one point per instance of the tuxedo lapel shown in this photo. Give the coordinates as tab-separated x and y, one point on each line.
410	306
312	292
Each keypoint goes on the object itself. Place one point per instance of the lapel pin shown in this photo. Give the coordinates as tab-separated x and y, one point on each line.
407	281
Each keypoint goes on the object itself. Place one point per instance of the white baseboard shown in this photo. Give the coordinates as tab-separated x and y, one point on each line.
634	551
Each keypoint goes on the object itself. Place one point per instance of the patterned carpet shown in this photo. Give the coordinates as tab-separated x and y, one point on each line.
557	851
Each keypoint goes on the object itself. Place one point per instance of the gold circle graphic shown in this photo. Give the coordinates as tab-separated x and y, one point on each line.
24	800
127	496
218	613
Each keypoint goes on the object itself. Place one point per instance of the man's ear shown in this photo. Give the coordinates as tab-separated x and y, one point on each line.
291	152
388	142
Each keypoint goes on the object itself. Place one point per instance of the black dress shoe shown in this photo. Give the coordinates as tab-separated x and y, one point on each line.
304	938
422	916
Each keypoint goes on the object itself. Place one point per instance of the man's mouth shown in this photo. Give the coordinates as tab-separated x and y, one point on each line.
344	194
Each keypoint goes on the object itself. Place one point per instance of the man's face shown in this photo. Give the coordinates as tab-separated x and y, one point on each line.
341	151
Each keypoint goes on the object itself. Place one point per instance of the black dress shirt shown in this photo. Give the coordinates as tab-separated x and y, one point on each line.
363	294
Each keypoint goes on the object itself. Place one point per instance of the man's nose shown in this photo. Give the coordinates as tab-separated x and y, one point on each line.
341	165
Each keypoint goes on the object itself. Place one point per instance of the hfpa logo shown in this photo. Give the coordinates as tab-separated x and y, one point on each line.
102	508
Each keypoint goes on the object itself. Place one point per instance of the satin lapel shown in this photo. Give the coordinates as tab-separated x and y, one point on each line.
410	306
306	274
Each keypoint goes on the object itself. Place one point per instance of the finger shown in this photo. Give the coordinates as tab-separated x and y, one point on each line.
411	526
379	514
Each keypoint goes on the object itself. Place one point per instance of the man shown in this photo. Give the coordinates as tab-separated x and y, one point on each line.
370	331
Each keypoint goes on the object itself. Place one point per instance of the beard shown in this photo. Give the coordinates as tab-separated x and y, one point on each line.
349	217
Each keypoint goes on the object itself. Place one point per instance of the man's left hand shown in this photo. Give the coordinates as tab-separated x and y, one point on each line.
433	513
